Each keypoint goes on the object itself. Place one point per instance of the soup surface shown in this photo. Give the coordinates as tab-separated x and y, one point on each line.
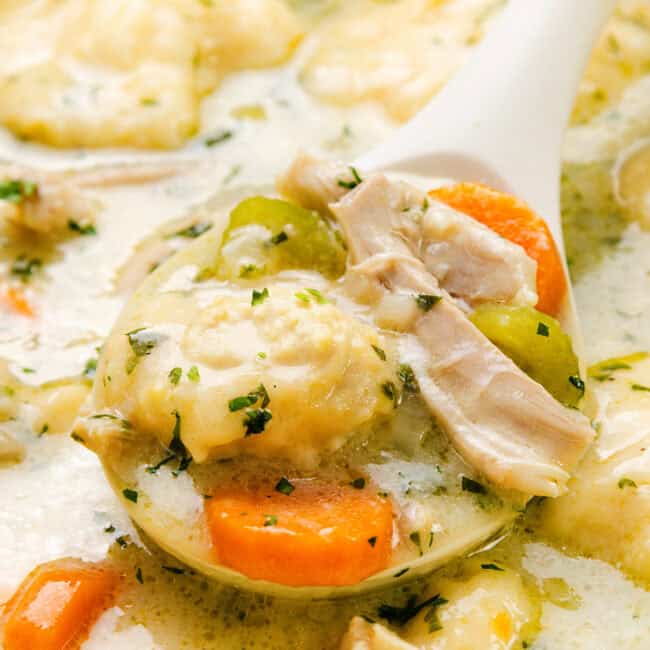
189	127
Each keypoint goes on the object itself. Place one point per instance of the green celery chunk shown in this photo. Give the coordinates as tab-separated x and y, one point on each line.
537	344
265	236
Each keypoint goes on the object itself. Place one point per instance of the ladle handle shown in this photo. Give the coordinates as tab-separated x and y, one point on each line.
506	110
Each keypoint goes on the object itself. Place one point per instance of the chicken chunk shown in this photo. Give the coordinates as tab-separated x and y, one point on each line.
505	424
470	261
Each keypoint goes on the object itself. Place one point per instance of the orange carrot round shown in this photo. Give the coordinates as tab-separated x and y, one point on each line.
515	221
56	604
315	534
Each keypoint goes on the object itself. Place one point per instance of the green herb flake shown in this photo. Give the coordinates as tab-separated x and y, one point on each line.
640	387
175	375
122	541
350	185
575	381
153	469
258	297
194	231
90	369
16	190
372	541
247	270
389	389
626	482
426	301
138	576
270	520
400	573
415	538
407	377
109	529
542	329
24	267
303	297
218	138
318	296
130	495
490	566
379	352
28	371
173	569
77	438
44	429
255	420
279	238
193	374
358	483
402	615
244	401
283	486
470	485
261	355
82	228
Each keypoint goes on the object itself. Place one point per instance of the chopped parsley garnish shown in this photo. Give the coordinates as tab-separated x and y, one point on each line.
82	228
90	368
415	538
279	238
259	297
152	469
244	401
247	270
218	138
372	540
176	445
389	389
358	483
148	101
490	566
138	575
142	342
44	429
401	615
261	355
470	485
131	495
542	329
317	295
109	529
175	375
255	420
125	424
195	230
193	374
173	569
184	463
283	486
401	573
24	267
122	541
575	380
626	482
350	185
303	297
426	301
379	352
16	191
407	377
77	438
640	387
270	520
28	371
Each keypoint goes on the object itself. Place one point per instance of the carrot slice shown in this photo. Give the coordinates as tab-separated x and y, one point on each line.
515	221
18	302
316	535
56	604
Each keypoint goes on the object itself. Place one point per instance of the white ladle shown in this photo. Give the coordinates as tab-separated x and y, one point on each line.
501	119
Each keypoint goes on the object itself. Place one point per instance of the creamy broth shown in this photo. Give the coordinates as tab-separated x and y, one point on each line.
57	503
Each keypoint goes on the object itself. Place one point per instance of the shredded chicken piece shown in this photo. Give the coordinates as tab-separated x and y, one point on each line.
52	200
504	423
362	635
470	261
